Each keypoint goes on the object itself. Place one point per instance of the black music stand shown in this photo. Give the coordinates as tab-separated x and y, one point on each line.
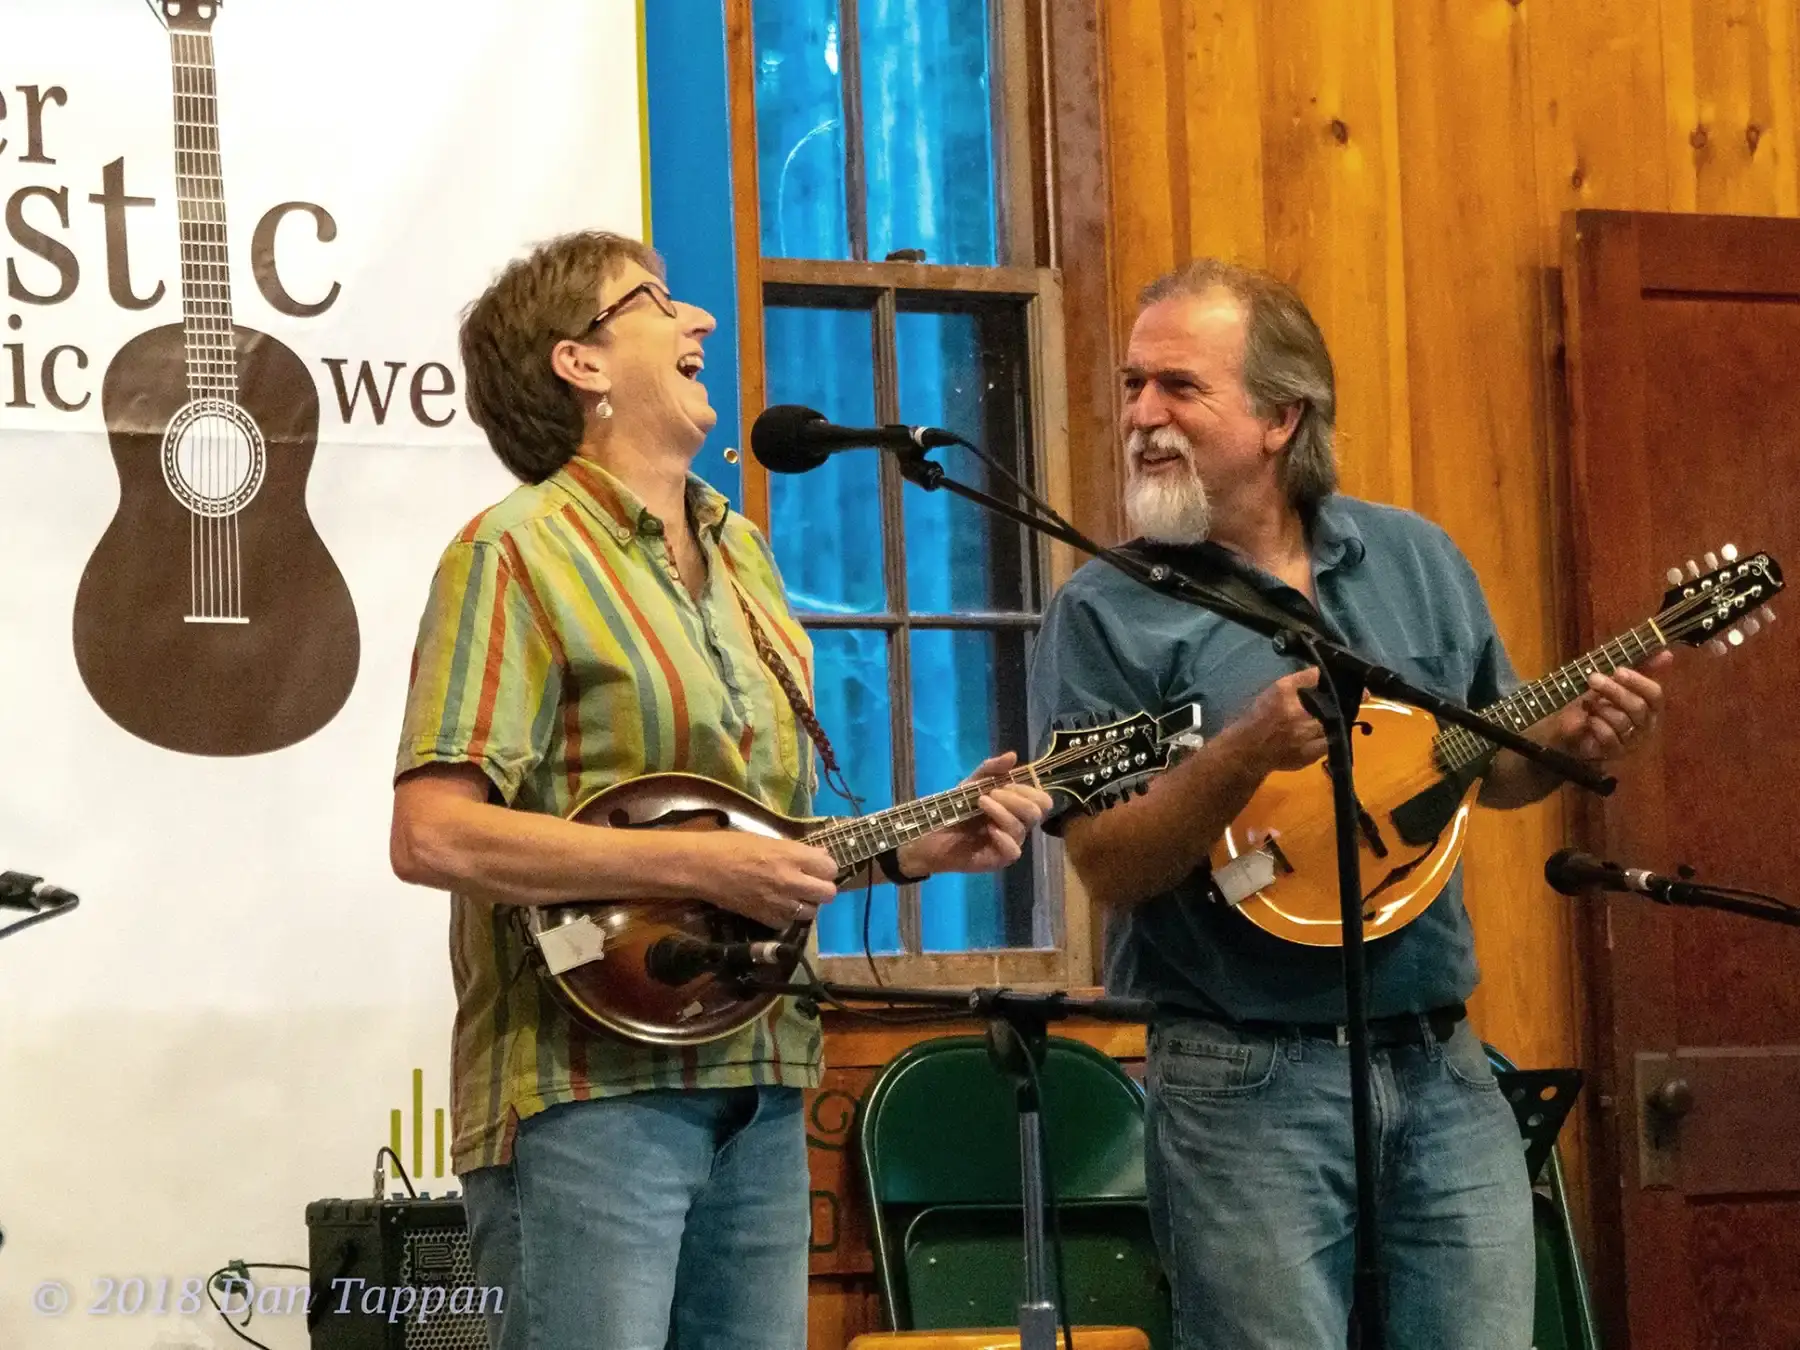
1541	1100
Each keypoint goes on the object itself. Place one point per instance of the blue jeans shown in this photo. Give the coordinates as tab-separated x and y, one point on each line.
652	1220
1252	1189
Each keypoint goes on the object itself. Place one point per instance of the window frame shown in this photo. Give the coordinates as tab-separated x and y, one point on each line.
1022	224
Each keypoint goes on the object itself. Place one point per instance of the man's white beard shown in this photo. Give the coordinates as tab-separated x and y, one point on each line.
1171	507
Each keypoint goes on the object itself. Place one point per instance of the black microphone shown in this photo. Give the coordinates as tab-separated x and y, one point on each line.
790	439
1572	872
676	958
21	891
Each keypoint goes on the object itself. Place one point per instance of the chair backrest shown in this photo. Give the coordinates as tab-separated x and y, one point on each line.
938	1142
940	1125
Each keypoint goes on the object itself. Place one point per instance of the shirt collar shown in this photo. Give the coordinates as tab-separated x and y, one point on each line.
1336	539
623	513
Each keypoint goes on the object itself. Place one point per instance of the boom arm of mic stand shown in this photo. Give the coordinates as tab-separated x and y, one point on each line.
1695	895
1289	637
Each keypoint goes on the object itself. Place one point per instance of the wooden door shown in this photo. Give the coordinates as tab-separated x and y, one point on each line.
1684	361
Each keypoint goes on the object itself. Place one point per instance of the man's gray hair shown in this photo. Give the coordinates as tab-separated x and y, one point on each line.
1285	362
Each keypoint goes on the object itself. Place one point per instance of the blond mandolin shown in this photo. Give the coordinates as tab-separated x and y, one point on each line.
1416	783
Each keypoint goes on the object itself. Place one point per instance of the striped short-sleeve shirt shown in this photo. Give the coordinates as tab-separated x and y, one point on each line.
560	654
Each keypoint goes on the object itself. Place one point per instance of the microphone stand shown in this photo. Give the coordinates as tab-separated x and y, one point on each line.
17	892
1017	1033
1688	894
1340	671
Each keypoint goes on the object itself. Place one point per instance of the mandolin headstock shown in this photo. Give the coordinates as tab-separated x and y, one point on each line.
1096	766
1720	604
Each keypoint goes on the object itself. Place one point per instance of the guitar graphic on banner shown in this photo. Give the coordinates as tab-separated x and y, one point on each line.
210	619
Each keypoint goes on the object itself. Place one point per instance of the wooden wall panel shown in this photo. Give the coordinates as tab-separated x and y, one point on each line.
1407	163
1474	315
1729	97
1331	216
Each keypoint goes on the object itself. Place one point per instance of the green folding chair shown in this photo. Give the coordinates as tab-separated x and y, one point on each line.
938	1142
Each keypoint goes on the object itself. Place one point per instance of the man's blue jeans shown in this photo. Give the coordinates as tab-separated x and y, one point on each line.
649	1220
1252	1190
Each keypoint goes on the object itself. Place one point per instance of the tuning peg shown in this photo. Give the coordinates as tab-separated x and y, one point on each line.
1735	637
1717	647
1675	576
1728	552
1749	627
1693	570
1767	615
1712	562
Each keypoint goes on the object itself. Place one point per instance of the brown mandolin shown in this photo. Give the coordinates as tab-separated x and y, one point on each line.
1277	861
596	955
210	619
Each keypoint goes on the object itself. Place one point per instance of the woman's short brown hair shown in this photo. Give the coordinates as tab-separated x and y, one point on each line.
530	414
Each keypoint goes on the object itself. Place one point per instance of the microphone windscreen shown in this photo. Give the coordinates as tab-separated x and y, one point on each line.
1571	871
778	439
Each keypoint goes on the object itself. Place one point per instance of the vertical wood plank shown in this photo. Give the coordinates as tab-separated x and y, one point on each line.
1218	180
1331	202
740	56
1729	85
1598	87
1083	243
1143	135
1474	318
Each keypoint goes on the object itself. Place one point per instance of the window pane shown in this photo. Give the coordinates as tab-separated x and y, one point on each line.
961	370
800	130
850	694
968	703
825	525
928	128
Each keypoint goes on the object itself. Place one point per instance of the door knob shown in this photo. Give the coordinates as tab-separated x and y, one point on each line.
1672	1099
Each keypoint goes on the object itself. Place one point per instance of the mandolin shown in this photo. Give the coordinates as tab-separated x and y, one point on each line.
596	955
210	619
1277	861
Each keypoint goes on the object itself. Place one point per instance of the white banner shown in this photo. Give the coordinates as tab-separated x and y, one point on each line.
204	640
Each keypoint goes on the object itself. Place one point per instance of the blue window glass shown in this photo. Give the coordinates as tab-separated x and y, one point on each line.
961	683
800	130
927	116
956	373
850	693
926	145
825	526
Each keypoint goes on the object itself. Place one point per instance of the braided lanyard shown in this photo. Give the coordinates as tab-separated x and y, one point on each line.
784	676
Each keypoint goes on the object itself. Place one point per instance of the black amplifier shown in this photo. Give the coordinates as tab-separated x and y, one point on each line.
394	1275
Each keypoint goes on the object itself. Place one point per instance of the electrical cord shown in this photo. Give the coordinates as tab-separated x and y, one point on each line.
42	916
239	1273
399	1167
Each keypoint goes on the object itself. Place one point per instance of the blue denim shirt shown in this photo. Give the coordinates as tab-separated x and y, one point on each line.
1392	587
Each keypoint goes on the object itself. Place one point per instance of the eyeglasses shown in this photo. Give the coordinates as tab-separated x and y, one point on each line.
657	294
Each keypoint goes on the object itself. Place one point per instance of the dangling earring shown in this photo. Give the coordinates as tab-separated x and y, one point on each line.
605	409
